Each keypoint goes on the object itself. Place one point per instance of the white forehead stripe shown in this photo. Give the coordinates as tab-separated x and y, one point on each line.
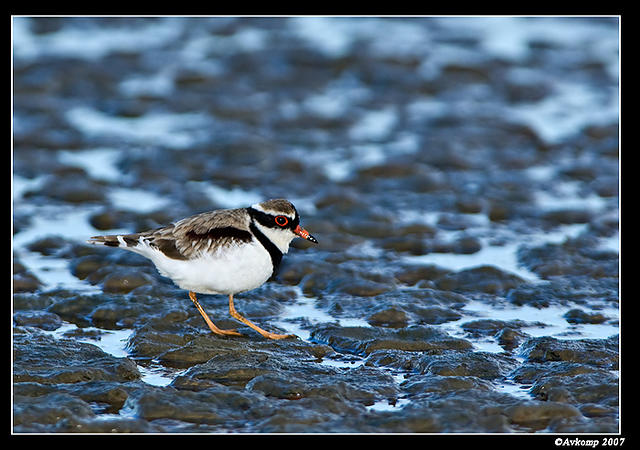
259	207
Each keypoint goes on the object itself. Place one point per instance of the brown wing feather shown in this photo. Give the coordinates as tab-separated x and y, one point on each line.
204	232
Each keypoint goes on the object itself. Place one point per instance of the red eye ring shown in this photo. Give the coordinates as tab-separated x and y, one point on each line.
282	220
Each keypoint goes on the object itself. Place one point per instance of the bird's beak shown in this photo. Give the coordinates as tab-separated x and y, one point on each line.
304	234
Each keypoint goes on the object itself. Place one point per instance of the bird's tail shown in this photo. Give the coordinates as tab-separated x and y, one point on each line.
115	240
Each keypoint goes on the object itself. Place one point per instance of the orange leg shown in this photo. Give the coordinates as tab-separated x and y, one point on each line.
236	315
212	327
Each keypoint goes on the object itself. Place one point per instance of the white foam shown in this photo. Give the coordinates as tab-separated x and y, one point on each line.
566	195
551	316
65	223
502	256
137	200
375	125
328	35
114	342
94	42
510	37
178	131
611	243
327	104
304	310
159	84
570	107
68	223
20	185
336	36
385	405
228	198
540	173
99	163
338	170
24	42
511	387
55	273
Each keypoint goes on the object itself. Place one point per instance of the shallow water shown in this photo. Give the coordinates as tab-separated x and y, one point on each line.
460	174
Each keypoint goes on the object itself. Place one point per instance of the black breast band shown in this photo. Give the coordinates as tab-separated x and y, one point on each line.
274	252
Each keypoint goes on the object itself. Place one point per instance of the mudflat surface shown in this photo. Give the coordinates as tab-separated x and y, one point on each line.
460	174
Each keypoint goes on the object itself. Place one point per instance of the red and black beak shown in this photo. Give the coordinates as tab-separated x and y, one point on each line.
304	234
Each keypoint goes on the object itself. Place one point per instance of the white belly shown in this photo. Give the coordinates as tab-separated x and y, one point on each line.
235	269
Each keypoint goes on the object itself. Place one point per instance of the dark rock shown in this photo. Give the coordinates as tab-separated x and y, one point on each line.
483	365
85	266
442	298
412	276
44	359
125	282
41	319
76	308
416	229
509	338
580	257
453	222
499	212
406	244
198	350
48	246
146	342
29	413
488	279
598	352
292	274
30	301
578	316
434	315
426	385
566	216
110	219
23	279
75	188
26	282
538	415
234	362
110	395
327	383
566	291
391	317
406	361
467	411
555	394
368	340
469	205
467	246
324	415
595	410
493	326
595	387
530	373
364	288
185	406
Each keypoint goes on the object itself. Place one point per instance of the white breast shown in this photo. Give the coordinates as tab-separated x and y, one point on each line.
230	270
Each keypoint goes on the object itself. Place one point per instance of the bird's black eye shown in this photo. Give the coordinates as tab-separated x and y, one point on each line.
282	220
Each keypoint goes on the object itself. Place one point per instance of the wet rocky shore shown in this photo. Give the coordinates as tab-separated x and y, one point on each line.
461	176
